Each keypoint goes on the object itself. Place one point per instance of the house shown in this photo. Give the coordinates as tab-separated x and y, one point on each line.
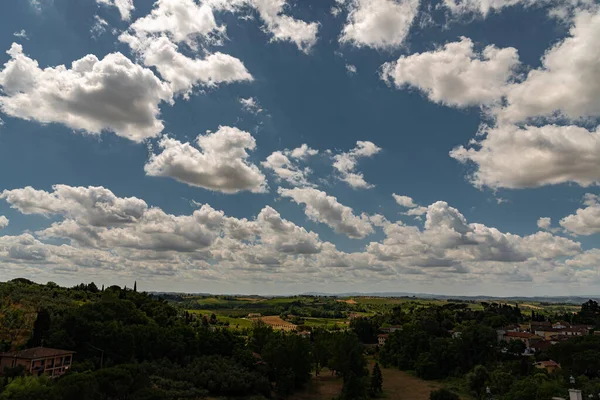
525	337
541	345
39	360
254	315
549	366
560	325
390	329
381	338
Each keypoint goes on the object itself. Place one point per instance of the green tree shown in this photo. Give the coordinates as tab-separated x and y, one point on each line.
376	380
443	394
477	379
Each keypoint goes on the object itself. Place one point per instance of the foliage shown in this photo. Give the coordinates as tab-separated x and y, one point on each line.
443	394
376	386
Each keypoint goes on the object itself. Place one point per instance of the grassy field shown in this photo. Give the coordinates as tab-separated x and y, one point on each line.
397	385
234	323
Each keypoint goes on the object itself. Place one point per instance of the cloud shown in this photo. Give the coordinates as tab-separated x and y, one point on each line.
284	27
404	201
380	24
345	164
184	73
568	82
302	152
544	223
99	27
125	7
326	209
585	221
484	7
3	222
112	94
414	209
286	165
22	34
94	206
513	157
351	69
250	105
455	75
287	170
221	164
448	239
102	233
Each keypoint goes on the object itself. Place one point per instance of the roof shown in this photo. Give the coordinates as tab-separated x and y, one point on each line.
550	363
525	335
542	345
36	352
383	335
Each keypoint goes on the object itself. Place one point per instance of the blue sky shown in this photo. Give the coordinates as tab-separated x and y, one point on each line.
271	146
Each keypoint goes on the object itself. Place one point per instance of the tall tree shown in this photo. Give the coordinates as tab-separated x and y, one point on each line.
135	286
376	380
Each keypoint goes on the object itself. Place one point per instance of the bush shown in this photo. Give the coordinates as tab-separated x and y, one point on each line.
443	394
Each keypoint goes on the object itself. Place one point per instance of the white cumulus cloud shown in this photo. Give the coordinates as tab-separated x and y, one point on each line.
3	222
112	94
220	164
512	157
585	221
455	74
379	24
568	82
345	164
326	209
125	7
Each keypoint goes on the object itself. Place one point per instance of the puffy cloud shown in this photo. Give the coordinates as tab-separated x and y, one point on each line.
181	20
379	24
568	82
125	7
351	69
183	72
95	206
303	152
484	7
414	209
250	105
585	221
221	164
404	201
124	237
285	164
112	94
326	209
286	28
448	239
455	74
286	169
545	223
3	222
513	157
345	164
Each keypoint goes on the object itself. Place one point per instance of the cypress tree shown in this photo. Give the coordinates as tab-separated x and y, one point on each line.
135	286
376	380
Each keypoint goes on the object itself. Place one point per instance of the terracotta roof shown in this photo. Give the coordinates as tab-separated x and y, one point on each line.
383	335
526	335
36	352
550	363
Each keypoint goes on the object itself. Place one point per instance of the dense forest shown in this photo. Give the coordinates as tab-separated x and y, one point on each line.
133	346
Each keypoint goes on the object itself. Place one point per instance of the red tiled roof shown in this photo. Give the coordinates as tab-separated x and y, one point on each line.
550	363
526	335
383	335
36	352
